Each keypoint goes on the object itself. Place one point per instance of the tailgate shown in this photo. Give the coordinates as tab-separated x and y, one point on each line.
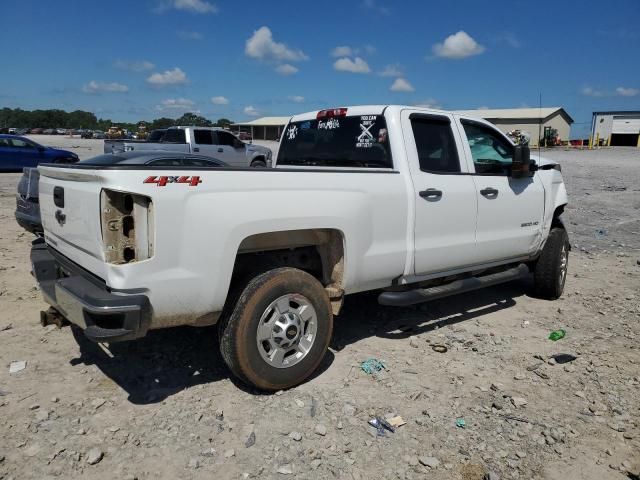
70	211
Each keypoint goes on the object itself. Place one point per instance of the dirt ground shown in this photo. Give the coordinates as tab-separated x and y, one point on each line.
165	407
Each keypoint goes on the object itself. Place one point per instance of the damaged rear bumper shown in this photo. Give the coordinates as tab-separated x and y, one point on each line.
86	301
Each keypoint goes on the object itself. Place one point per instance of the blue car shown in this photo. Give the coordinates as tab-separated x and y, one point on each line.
18	152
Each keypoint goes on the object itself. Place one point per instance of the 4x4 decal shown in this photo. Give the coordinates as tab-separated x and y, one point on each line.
161	181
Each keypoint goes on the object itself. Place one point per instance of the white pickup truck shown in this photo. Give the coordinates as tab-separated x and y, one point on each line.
213	142
415	203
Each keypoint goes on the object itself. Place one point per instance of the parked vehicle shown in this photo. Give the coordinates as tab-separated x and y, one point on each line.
245	136
18	152
27	199
99	134
22	131
36	131
209	141
416	202
87	134
49	131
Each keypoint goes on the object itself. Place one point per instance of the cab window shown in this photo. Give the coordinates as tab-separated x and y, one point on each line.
225	138
492	154
203	137
436	146
166	162
19	143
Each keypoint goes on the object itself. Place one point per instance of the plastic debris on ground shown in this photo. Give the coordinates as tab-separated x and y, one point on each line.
372	366
460	423
381	426
396	421
561	358
557	335
17	366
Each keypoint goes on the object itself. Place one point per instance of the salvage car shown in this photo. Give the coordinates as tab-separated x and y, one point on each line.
18	152
27	199
415	203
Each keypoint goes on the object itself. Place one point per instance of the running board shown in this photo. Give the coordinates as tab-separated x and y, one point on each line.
412	297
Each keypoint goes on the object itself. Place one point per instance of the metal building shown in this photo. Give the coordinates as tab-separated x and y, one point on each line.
530	120
618	129
265	128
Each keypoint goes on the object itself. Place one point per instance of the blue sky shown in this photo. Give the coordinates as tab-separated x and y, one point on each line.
130	60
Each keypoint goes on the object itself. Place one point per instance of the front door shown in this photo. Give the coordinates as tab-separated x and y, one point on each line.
444	194
510	210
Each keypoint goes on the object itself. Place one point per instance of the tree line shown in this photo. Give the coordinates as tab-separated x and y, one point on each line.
55	118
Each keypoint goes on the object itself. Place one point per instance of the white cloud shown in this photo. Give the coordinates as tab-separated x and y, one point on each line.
391	71
251	111
193	6
286	69
457	46
592	92
220	100
190	35
401	85
373	5
627	92
297	98
429	103
357	65
168	77
134	66
261	45
177	105
99	87
342	51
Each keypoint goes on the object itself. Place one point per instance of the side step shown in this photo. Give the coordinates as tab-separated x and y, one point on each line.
412	297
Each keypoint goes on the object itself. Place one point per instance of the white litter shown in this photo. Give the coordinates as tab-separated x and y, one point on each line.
15	367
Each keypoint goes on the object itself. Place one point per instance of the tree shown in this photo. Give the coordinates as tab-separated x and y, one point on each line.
193	119
223	122
162	122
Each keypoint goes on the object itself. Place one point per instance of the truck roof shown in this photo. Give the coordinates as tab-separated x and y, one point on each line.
364	110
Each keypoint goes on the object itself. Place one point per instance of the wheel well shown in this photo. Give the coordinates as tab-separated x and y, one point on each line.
319	252
258	159
557	221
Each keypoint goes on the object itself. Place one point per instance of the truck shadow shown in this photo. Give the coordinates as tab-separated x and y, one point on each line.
166	362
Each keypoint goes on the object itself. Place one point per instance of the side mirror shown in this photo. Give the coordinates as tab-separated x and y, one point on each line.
521	166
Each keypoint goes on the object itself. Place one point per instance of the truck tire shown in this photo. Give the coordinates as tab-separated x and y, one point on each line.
259	164
279	330
550	270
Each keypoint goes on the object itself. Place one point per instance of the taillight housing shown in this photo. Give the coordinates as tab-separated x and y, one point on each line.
332	112
127	226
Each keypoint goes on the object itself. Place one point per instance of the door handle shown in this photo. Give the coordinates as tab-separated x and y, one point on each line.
196	149
220	150
489	192
430	193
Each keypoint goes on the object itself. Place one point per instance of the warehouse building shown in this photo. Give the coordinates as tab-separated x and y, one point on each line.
265	128
618	129
530	120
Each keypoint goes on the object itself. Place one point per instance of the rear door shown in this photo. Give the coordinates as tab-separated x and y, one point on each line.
510	210
205	143
226	143
445	195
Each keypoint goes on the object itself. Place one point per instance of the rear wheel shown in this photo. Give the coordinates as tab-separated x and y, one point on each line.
550	270
279	330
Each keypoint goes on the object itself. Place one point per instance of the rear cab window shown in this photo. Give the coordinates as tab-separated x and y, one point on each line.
174	135
356	141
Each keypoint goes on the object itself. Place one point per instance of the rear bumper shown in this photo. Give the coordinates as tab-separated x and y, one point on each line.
85	300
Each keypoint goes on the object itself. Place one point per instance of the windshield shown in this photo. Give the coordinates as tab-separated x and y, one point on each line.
356	141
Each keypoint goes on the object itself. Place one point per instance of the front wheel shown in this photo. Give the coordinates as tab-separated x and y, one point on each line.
259	164
279	330
550	270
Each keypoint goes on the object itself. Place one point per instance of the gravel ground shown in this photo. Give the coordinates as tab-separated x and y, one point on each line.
165	407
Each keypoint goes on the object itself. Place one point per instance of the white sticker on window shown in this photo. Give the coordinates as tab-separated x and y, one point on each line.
330	124
292	132
366	138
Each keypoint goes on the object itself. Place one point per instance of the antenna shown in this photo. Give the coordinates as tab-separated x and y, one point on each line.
539	122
